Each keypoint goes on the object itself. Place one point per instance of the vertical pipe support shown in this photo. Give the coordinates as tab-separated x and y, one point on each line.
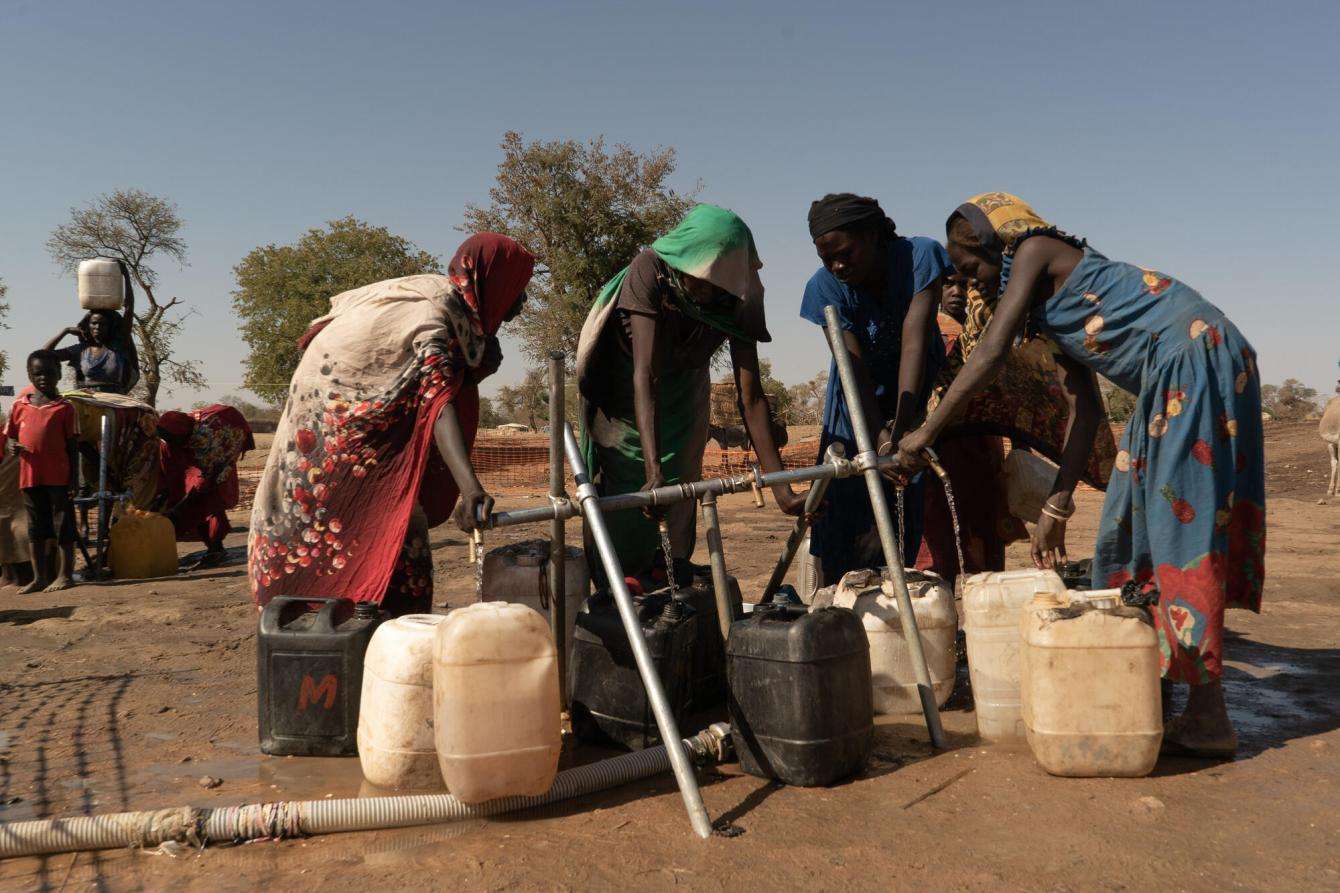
813	499
558	552
104	449
879	504
717	557
623	600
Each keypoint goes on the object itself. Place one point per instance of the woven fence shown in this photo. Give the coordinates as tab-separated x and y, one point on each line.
521	462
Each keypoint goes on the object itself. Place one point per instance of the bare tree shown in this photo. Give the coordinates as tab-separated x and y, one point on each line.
132	226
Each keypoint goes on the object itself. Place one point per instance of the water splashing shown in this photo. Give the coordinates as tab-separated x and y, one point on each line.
669	558
953	519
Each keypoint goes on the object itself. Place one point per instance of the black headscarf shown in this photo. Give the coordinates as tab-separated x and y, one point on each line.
843	209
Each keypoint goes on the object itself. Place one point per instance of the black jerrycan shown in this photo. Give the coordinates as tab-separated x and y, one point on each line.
309	672
609	701
801	707
707	686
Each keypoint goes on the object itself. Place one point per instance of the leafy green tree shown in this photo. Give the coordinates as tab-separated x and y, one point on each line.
1291	401
282	288
134	227
488	416
584	210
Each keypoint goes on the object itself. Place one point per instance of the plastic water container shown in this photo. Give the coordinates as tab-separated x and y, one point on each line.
1028	483
992	603
707	686
807	575
395	712
496	718
519	573
1090	685
609	701
800	702
892	677
142	545
100	284
309	674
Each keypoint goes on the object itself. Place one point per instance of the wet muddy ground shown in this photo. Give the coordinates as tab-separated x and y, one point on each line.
125	696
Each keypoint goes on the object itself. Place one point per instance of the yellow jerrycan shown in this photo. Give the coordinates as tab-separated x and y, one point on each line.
142	545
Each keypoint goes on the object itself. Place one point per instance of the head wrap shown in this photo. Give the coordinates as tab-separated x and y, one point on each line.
489	273
177	424
843	209
999	220
714	244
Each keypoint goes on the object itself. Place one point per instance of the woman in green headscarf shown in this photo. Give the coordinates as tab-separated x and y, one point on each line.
643	368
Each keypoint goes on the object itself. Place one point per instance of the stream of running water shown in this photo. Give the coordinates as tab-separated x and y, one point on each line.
953	519
669	558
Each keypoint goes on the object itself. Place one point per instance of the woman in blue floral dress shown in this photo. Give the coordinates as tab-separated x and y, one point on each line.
1185	509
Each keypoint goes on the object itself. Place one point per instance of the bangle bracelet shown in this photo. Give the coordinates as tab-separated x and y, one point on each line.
1059	514
1047	510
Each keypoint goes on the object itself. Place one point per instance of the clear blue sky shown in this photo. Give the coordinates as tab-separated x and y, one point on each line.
1199	138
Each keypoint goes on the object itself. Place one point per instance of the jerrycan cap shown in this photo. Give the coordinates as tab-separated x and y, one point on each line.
1045	598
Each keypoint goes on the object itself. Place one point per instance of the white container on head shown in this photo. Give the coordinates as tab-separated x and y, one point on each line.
495	702
1089	685
519	573
892	677
992	603
395	712
100	285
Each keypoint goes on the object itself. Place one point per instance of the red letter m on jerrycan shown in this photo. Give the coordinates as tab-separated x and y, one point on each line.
312	692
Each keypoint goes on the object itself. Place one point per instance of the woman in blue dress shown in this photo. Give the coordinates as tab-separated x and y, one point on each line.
1185	509
886	289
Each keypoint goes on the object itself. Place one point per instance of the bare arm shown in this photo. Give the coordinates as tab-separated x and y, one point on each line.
987	359
1086	414
754	411
128	311
450	441
72	330
643	327
918	329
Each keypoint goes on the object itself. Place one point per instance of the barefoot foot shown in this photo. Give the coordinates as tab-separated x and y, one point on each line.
1204	728
34	586
59	584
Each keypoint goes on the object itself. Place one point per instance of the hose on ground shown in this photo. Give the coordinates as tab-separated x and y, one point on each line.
297	818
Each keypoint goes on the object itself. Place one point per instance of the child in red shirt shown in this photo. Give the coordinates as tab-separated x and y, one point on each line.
41	432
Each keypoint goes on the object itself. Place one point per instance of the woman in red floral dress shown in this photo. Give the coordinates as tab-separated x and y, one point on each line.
198	456
373	446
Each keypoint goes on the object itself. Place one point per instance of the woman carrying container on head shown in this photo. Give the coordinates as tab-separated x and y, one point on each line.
353	482
105	359
198	455
885	289
643	369
1185	510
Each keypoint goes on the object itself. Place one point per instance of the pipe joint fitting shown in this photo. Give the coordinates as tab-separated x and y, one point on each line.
866	461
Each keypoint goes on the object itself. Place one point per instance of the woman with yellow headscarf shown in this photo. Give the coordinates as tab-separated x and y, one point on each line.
1185	510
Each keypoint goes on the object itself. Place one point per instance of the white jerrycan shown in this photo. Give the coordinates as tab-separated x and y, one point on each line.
495	702
992	603
519	573
1090	685
395	714
100	284
892	678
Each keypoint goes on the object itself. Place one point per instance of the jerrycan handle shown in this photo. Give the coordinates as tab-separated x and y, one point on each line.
270	617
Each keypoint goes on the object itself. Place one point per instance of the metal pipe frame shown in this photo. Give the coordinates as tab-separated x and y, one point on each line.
665	718
673	493
879	504
717	557
558	552
812	500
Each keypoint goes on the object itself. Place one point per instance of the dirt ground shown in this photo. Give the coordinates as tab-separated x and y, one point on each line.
123	696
